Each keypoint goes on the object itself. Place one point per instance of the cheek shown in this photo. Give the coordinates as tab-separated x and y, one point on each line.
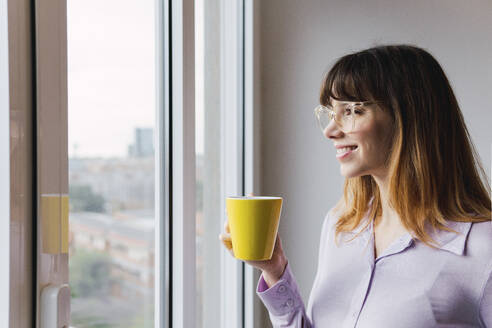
386	139
374	142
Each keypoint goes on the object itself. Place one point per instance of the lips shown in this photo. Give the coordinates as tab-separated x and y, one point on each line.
345	151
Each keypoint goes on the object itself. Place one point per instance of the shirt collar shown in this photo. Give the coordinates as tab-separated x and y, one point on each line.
450	241
446	240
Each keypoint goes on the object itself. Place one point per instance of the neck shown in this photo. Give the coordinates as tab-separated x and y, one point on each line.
389	217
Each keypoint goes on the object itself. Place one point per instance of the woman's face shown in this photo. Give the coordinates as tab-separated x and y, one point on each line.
372	135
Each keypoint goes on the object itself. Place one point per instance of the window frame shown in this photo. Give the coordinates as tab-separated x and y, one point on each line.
4	165
181	134
232	151
175	162
253	307
162	280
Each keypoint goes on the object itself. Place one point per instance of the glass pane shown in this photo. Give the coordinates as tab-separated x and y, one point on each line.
111	106
208	173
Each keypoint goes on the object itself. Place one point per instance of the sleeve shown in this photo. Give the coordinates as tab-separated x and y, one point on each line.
282	300
485	309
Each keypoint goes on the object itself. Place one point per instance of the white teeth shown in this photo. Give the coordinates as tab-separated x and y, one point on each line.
345	149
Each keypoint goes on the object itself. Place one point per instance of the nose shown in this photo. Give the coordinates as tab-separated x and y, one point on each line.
332	131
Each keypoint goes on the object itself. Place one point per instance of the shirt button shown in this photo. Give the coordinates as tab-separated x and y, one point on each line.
281	289
290	302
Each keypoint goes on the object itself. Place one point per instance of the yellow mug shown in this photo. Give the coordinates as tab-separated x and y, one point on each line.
253	223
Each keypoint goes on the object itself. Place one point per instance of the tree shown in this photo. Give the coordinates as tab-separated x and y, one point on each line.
82	198
90	274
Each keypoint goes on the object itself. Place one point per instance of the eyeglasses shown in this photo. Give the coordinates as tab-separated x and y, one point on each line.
348	116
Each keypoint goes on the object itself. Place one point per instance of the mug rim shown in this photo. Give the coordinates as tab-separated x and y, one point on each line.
254	197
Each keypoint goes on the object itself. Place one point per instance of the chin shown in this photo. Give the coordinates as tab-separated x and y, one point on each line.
348	172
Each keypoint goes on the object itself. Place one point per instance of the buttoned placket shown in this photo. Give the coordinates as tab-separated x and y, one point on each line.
362	291
360	296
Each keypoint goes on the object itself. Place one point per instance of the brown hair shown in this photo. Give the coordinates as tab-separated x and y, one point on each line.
433	165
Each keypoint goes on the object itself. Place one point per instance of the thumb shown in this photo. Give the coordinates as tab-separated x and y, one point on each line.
278	241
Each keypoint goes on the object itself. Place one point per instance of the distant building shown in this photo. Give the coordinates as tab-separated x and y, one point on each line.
129	242
143	145
125	183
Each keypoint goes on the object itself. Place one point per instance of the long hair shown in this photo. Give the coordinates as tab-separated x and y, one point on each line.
433	165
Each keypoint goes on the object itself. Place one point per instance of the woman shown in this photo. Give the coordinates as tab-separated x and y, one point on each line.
415	219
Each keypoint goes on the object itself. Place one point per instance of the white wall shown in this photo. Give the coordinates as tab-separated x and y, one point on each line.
300	41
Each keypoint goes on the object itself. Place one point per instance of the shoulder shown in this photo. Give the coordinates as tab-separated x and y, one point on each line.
480	240
328	226
328	222
331	219
478	250
480	244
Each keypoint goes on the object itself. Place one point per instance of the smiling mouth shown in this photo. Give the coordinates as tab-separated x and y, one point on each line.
346	149
342	152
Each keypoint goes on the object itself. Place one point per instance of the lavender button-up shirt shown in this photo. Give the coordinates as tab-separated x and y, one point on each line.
409	285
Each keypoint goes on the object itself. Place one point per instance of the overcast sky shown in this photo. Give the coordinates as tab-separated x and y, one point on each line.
111	74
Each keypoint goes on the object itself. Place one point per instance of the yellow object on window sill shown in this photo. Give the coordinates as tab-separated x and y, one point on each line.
54	223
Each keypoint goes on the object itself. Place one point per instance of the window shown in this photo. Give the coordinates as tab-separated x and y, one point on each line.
111	114
146	161
118	75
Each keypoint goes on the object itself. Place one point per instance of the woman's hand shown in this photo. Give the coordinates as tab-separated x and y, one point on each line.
272	269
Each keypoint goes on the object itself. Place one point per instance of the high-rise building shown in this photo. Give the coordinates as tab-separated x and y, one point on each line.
143	144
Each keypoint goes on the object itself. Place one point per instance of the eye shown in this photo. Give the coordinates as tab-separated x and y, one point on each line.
358	110
355	110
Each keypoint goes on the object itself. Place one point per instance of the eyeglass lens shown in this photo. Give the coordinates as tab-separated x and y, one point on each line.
344	117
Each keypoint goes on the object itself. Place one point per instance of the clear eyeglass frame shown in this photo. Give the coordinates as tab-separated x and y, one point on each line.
325	114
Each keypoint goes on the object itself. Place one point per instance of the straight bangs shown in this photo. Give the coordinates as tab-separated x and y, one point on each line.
352	78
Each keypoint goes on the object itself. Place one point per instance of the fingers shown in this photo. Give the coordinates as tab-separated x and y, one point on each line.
226	227
278	246
279	242
226	240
